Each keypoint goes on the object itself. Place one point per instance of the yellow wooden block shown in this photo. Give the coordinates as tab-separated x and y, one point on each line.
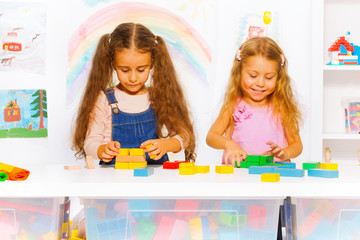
124	152
151	156
130	158
121	165
137	152
187	164
133	165
191	170
329	166
202	169
224	169
270	177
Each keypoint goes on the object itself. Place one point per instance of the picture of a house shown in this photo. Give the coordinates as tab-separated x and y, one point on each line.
12	112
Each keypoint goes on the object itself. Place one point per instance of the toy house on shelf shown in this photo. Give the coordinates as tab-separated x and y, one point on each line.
342	52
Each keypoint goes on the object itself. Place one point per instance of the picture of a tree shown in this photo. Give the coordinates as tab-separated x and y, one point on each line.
40	106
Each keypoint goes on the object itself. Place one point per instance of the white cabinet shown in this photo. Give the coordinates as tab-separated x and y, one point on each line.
332	84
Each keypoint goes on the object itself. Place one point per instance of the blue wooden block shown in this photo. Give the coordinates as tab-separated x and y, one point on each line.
286	164
290	172
323	173
261	170
143	172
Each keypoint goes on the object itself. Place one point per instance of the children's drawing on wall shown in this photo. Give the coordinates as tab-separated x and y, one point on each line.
186	26
258	24
24	113
22	36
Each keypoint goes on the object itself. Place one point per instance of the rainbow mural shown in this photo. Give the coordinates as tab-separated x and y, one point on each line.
185	44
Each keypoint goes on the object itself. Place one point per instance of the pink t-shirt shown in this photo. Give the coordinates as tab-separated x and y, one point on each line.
254	126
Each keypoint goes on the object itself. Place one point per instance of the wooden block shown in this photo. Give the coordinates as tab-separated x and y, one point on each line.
152	156
224	169
191	170
137	152
124	152
130	158
202	169
172	165
261	169
329	166
143	172
72	167
186	164
134	165
121	165
311	165
253	158
324	173
327	155
289	172
89	162
270	177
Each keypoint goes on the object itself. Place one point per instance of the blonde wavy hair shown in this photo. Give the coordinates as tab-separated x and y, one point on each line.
166	94
283	101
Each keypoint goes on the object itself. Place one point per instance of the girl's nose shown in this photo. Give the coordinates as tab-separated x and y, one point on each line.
133	77
260	81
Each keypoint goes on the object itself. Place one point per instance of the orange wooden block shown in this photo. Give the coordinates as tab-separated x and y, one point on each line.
89	162
72	167
130	158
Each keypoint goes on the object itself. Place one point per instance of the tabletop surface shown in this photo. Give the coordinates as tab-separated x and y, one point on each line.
105	181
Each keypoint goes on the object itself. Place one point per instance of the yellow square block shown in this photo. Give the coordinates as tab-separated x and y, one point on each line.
134	165
187	170
151	156
187	164
329	166
224	169
137	152
270	177
121	165
124	152
202	169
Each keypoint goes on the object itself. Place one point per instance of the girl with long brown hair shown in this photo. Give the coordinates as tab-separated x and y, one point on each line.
130	114
260	114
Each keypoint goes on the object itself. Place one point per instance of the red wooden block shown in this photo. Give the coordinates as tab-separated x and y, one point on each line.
256	217
172	165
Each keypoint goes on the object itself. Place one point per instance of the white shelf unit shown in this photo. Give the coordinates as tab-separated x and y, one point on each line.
333	84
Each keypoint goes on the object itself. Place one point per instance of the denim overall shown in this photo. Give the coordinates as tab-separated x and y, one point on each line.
132	129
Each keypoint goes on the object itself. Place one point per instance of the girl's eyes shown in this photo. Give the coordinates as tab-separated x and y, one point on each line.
127	70
253	76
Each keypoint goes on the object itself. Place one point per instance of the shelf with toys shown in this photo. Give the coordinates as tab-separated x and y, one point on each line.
336	85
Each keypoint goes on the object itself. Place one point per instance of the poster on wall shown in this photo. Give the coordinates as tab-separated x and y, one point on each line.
22	36
186	26
24	114
258	24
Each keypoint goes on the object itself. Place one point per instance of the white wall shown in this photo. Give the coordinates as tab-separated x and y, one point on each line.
296	20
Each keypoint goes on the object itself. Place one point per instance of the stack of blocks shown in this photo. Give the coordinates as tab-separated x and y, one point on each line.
257	160
324	170
130	158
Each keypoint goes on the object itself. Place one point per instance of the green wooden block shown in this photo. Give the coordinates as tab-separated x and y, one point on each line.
236	165
253	158
249	164
266	159
242	219
243	164
311	165
232	220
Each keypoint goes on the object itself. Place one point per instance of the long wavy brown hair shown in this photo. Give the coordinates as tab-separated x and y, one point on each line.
166	94
283	101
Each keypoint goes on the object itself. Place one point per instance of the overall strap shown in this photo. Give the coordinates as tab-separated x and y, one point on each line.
110	96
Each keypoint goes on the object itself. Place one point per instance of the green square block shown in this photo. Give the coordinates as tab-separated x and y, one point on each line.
242	219
236	165
250	164
266	159
243	164
311	165
253	158
232	220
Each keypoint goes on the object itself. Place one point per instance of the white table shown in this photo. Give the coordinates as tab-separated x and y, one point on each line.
54	181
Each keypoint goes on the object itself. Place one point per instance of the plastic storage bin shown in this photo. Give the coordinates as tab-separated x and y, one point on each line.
181	219
327	218
30	218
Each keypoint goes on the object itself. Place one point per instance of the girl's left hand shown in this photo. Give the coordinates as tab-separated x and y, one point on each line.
159	147
277	151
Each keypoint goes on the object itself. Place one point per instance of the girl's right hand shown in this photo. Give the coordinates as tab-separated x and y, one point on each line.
234	153
108	151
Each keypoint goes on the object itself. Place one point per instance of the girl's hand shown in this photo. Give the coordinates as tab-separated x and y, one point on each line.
277	151
109	151
234	153
156	147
